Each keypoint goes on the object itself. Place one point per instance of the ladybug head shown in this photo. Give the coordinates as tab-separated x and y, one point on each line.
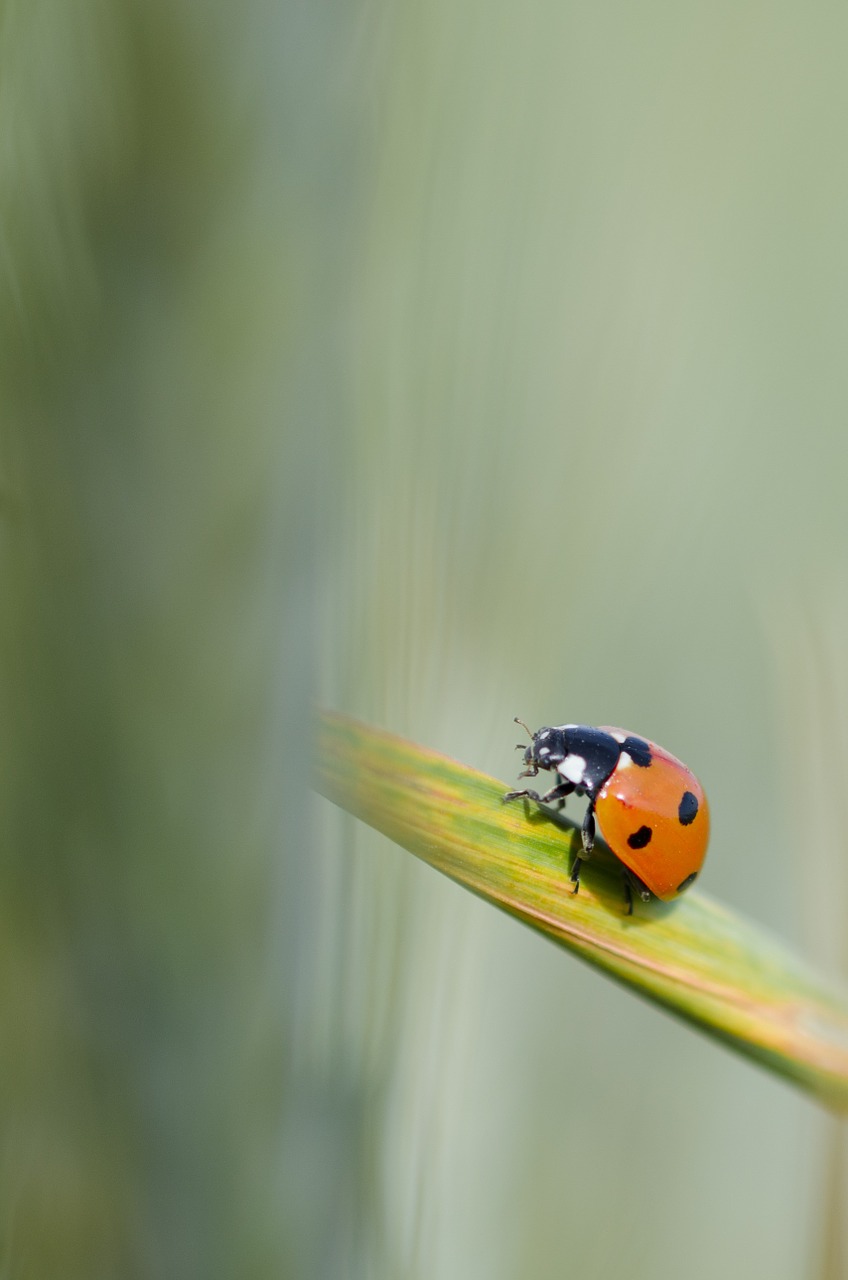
542	749
541	752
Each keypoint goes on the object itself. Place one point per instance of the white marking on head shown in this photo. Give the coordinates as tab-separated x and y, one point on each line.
619	737
624	761
573	768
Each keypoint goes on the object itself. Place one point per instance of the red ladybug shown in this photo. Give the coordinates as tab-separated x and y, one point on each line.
651	809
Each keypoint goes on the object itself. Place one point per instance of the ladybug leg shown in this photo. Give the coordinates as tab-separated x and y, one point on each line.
559	792
632	882
588	831
587	836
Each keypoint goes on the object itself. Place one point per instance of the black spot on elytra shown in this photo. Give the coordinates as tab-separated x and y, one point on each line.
640	838
684	884
687	810
638	750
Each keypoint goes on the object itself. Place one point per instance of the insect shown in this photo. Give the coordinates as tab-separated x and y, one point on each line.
650	807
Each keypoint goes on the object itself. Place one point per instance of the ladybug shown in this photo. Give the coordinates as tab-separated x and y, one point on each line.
651	808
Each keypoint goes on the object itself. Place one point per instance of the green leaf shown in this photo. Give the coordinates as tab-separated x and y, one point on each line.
694	957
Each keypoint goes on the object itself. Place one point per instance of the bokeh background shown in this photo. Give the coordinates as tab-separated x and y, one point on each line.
441	362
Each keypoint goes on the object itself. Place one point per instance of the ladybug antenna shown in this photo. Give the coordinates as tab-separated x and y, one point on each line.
524	727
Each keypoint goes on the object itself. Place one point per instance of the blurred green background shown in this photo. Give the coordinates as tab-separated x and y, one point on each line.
442	362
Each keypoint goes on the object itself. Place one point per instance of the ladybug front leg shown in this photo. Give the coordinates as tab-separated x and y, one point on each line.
587	836
559	792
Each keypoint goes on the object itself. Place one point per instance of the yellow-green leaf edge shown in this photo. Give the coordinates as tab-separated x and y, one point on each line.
704	963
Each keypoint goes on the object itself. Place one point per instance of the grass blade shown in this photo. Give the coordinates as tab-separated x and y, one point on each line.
694	957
